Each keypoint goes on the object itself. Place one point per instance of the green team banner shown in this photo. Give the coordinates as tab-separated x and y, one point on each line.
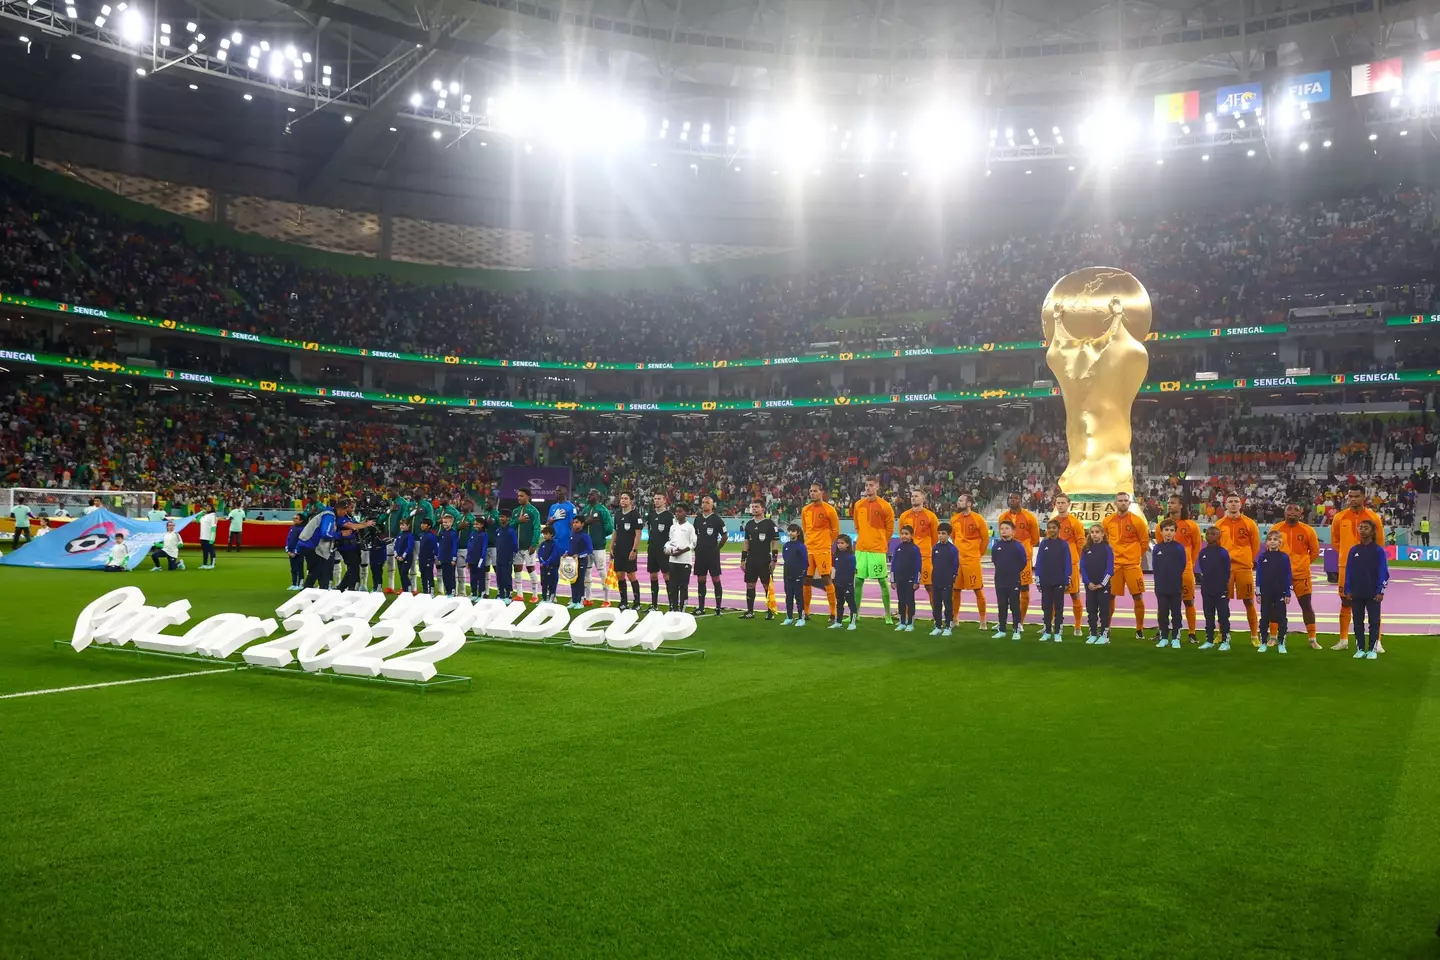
111	316
955	396
1413	319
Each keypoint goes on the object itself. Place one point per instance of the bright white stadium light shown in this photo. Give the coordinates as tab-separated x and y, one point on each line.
1374	136
290	52
23	39
1326	144
193	87
1304	145
100	21
1160	162
74	56
440	104
464	108
199	38
1071	168
465	99
1404	133
435	134
1055	131
190	26
248	97
454	87
325	69
222	55
349	118
299	75
1395	101
70	12
277	64
105	9
253	63
224	43
1030	131
416	100
265	46
1240	122
324	81
1249	153
436	84
1204	156
289	109
139	71
194	48
705	134
305	57
164	28
254	51
1028	172
237	37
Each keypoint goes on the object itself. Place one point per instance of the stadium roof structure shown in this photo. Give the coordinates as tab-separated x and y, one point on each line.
316	95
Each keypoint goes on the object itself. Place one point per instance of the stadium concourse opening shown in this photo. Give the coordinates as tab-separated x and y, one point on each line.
1011	492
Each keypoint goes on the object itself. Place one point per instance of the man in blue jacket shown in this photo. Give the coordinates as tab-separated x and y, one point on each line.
317	546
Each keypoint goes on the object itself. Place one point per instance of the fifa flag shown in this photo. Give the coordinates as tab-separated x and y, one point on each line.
84	543
1378	77
1177	107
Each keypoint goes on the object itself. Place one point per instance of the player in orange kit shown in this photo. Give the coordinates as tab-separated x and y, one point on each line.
1129	537
1303	546
874	523
1072	531
972	539
1344	534
1187	532
820	525
1240	537
1027	531
924	523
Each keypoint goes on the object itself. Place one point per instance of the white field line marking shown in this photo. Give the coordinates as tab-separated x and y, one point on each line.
112	683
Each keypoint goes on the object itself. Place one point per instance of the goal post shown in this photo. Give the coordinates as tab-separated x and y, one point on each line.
58	501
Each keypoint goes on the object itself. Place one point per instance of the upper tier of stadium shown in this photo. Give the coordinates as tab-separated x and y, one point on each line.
1205	269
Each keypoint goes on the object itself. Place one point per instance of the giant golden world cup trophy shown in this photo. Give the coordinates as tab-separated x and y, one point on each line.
1096	320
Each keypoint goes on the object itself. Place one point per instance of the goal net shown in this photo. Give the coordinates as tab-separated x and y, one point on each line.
52	502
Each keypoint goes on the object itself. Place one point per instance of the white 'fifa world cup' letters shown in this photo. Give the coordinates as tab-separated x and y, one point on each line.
541	623
420	664
336	638
278	652
96	609
391	636
588	629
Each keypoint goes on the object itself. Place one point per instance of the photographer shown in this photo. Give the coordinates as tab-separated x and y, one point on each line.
349	529
317	547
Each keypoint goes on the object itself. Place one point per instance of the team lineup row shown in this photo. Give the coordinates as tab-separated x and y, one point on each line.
575	542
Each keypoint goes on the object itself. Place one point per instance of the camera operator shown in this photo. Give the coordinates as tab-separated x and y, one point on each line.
349	528
317	546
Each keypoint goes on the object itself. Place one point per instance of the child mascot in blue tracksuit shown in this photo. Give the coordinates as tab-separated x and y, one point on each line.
1168	561
475	557
1212	578
292	550
796	560
426	546
1009	557
905	574
844	563
944	568
404	554
1367	574
580	547
506	542
1097	566
1275	577
1052	571
549	556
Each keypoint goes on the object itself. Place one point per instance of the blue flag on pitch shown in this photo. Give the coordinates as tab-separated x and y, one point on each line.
84	543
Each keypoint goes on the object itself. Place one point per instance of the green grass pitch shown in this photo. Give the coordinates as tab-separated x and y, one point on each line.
797	794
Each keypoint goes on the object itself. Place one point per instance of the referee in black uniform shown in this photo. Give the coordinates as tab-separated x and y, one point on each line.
761	553
658	523
709	538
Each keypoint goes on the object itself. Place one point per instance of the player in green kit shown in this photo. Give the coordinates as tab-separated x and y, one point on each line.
525	518
599	525
464	526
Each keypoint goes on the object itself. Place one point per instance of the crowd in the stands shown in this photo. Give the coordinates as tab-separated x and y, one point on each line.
1207	267
272	453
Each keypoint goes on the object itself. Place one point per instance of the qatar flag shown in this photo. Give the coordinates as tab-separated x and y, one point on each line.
1378	77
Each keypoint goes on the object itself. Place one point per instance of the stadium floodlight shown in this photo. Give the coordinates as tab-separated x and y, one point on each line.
289	109
299	75
1185	128
1304	145
1205	156
290	51
1326	144
100	20
1160	162
1250	153
415	100
139	71
265	46
70	12
237	37
1055	131
194	48
440	104
74	56
325	69
248	98
305	57
199	38
222	55
349	118
1404	133
194	87
1374	137
705	134
254	51
1395	101
1240	122
435	134
164	28
224	43
253	63
664	127
454	87
190	26
23	38
277	64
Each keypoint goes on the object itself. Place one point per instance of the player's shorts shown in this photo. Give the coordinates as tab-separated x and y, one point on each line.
599	560
1242	584
1187	587
969	577
1302	586
490	556
757	569
821	565
1127	578
623	563
707	566
657	562
871	566
925	568
523	558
